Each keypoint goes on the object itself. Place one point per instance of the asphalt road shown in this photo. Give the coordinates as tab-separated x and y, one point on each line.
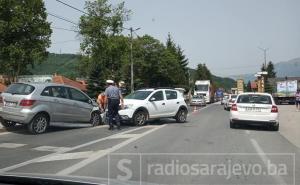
202	151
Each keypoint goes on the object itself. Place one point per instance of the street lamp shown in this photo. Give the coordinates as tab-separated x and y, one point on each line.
265	54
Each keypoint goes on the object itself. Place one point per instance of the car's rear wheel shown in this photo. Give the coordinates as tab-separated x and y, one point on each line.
96	119
139	118
39	124
7	124
181	116
275	127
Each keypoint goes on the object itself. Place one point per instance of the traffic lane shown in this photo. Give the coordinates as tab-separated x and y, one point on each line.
20	146
207	132
59	160
179	138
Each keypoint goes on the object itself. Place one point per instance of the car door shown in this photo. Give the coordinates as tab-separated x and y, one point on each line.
57	98
62	103
172	102
157	105
82	106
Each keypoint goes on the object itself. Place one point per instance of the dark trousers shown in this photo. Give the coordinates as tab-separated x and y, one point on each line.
113	109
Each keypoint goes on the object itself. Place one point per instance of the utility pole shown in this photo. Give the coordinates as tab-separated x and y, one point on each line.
131	62
131	57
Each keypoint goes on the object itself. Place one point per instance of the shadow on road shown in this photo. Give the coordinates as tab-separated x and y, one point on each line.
254	127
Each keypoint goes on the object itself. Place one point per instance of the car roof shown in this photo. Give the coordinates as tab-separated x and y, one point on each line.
156	89
43	84
256	93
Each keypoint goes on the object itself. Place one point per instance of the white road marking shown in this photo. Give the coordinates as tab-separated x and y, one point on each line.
265	159
100	126
4	133
67	156
50	148
101	153
247	131
125	136
11	145
207	106
64	151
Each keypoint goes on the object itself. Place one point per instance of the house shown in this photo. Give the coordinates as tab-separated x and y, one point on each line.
52	78
253	86
63	80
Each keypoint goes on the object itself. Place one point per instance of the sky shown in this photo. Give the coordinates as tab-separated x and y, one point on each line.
224	34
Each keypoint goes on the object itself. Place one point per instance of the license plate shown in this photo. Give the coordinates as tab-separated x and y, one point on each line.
10	104
253	109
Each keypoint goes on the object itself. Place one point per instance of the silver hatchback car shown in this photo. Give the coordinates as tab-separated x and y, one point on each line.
39	104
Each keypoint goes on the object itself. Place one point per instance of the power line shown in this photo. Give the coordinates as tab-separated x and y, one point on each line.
62	18
66	29
65	41
72	7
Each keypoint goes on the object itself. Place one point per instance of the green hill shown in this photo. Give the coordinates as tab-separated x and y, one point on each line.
63	64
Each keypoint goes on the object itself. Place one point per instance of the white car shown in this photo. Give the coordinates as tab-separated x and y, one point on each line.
229	101
146	104
224	99
254	108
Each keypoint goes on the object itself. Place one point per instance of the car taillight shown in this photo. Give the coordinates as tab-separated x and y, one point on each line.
274	109
26	103
234	107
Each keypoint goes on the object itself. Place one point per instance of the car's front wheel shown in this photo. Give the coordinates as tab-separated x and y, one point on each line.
96	119
7	124
181	116
139	118
39	124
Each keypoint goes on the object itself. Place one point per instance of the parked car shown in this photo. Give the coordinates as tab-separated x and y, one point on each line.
254	108
228	103
198	100
146	104
37	105
224	99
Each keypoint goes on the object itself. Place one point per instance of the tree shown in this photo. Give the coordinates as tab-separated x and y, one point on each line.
203	73
96	81
248	87
24	35
271	70
271	74
102	41
180	58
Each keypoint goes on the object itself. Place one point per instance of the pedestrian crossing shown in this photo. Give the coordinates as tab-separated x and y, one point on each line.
82	154
11	145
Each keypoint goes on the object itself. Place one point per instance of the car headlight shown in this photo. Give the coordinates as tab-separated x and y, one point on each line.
128	106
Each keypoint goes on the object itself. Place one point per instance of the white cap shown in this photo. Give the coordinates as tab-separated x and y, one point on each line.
109	81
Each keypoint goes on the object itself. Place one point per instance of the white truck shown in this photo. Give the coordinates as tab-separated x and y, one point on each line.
286	90
205	88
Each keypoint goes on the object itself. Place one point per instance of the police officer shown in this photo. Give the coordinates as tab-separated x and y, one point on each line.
113	98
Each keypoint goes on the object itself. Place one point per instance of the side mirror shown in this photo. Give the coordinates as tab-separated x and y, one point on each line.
152	99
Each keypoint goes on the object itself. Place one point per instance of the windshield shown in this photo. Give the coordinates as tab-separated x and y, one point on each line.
197	97
19	88
257	99
233	96
201	87
139	95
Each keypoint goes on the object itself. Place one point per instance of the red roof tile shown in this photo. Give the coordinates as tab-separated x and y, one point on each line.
63	80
